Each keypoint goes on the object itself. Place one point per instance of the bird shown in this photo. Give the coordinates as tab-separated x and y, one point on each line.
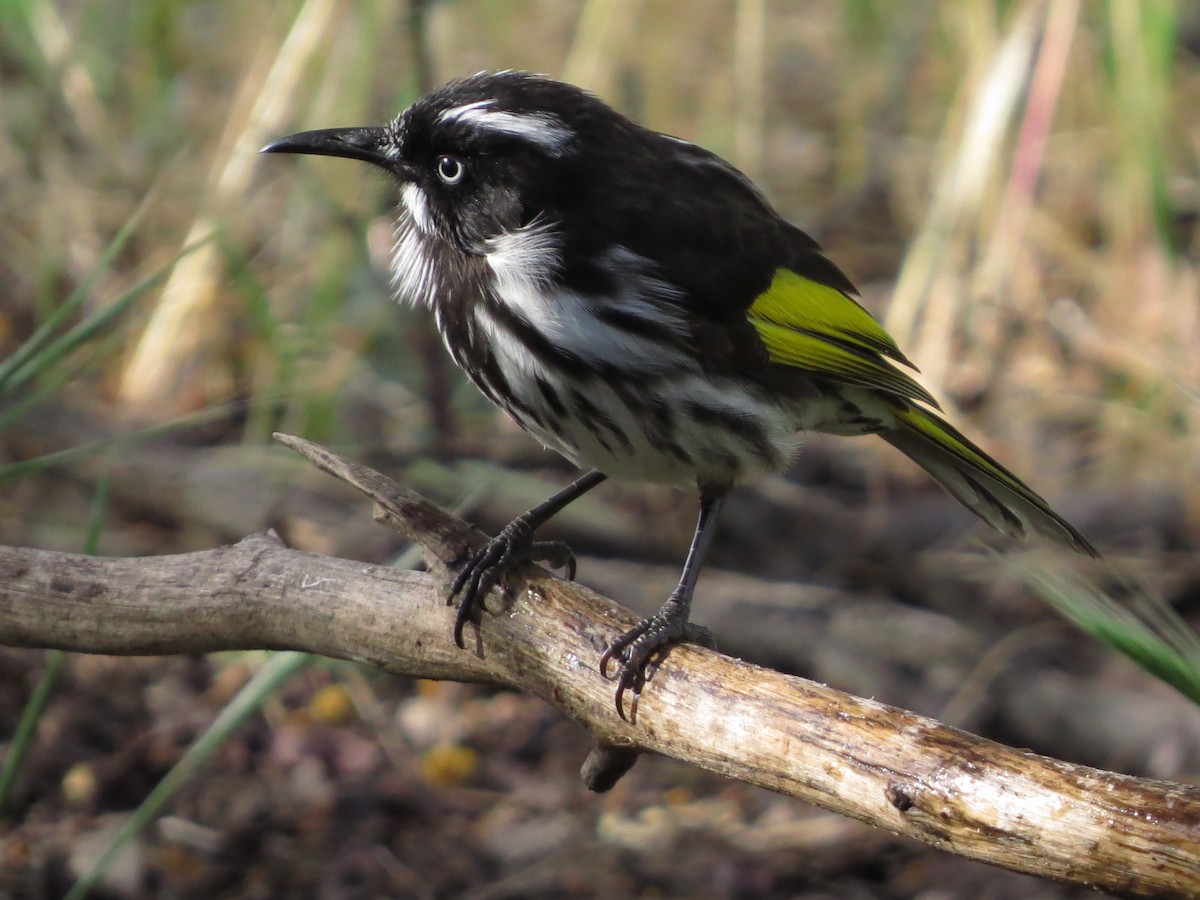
635	303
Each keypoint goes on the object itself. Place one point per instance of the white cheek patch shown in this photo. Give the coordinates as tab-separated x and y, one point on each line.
417	205
413	273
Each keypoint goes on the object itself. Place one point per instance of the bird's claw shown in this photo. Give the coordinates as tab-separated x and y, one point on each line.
485	567
639	652
553	555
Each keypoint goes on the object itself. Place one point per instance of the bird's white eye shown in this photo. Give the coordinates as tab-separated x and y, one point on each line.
449	169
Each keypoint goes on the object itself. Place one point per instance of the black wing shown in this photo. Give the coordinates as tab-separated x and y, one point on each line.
705	225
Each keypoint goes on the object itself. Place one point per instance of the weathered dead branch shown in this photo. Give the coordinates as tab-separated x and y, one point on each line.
882	765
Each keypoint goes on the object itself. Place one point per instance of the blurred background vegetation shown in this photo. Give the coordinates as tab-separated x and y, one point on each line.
1013	184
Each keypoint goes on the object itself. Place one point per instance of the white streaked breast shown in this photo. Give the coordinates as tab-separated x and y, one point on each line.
525	263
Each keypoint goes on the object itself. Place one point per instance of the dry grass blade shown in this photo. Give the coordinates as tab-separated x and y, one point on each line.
77	87
921	322
1044	92
183	324
749	63
605	27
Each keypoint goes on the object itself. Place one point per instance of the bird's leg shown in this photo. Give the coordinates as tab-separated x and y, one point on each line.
515	545
635	650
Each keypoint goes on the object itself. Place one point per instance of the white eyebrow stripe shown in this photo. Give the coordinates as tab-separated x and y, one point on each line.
543	129
457	112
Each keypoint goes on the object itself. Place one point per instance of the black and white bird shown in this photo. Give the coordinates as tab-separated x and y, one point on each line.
634	303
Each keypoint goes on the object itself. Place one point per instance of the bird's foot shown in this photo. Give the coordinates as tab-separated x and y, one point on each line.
640	650
513	546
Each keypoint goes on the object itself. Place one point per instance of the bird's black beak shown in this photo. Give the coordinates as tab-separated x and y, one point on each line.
366	144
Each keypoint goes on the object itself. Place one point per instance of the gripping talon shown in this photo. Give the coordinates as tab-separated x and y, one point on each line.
633	704
512	546
476	578
483	570
641	650
554	555
461	615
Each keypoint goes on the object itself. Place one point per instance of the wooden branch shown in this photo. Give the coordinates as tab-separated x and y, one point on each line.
899	771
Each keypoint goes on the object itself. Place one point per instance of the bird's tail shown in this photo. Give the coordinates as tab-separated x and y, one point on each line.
976	480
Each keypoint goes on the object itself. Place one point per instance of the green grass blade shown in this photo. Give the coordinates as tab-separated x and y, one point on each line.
27	726
1143	40
24	366
55	660
63	457
48	386
1148	631
278	668
43	334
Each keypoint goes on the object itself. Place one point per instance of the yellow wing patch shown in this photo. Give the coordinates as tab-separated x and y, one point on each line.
818	328
801	303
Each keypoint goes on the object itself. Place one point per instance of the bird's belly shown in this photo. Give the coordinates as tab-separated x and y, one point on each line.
681	428
659	418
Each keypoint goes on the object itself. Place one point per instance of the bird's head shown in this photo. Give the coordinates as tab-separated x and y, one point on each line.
481	156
